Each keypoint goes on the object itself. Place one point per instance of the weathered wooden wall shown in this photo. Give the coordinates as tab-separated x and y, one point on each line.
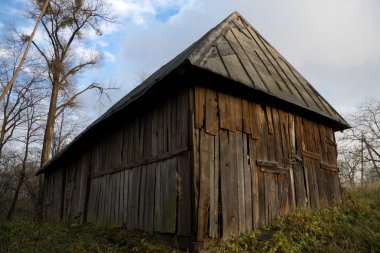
253	162
201	163
137	175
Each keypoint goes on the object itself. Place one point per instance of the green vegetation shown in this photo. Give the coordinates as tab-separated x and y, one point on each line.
59	237
352	226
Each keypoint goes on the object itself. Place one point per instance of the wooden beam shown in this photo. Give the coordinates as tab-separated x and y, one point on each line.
150	160
281	171
328	167
263	163
312	155
289	161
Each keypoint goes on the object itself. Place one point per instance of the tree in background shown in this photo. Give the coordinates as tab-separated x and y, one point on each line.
26	89
22	113
65	26
40	113
30	135
360	155
16	71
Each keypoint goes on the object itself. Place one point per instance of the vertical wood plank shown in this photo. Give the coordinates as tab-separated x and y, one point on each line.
170	206
238	113
214	193
126	198
196	175
279	152
229	182
184	118
200	95
184	195
227	111
269	134
178	121
110	203
255	183
142	196
247	183
91	202
149	198
269	119
206	153
240	176
157	200
246	116
211	112
117	207
121	199
156	132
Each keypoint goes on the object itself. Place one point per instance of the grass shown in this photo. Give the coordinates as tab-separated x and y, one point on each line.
59	237
352	226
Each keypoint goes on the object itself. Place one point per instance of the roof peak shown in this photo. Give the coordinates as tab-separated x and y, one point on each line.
236	50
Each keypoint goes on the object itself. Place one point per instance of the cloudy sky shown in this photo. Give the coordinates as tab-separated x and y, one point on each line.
335	44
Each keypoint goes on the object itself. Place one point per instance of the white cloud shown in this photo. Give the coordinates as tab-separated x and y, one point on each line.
139	10
102	43
86	53
340	32
4	53
109	56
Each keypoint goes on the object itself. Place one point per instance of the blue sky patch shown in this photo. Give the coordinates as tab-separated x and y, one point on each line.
163	14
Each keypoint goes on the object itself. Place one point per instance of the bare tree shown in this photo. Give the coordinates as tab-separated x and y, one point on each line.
349	163
66	23
67	126
30	136
142	74
22	94
9	161
17	70
362	141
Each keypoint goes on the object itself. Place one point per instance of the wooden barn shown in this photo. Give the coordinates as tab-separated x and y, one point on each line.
218	141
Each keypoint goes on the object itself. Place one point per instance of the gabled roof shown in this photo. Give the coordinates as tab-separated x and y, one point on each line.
235	50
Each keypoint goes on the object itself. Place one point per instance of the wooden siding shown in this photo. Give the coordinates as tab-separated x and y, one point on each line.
136	176
254	161
198	163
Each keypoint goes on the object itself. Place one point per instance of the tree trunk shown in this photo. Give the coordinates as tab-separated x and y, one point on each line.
362	163
10	84
15	198
49	130
4	123
22	175
46	146
369	147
